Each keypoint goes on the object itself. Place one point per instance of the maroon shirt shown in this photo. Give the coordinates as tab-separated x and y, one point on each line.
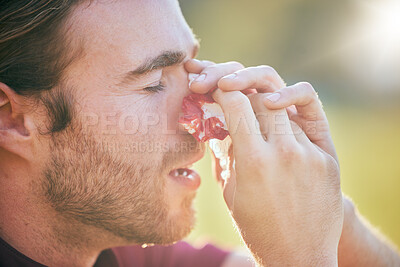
179	255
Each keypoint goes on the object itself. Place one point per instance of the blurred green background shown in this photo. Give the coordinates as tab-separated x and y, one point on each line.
350	52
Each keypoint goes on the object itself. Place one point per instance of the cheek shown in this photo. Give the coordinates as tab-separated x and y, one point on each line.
136	118
173	109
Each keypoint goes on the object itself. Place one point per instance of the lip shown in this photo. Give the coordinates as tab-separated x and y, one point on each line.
195	159
194	182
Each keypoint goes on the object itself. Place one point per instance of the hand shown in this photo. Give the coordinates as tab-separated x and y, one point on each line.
286	197
213	73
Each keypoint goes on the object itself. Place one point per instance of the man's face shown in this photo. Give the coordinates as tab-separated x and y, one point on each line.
110	169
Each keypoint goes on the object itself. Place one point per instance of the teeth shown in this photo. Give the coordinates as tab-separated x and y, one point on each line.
182	172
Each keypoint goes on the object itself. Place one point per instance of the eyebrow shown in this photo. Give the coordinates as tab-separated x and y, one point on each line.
165	59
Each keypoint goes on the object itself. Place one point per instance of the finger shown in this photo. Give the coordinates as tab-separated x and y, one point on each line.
209	76
291	110
249	91
274	124
230	190
299	134
302	95
240	120
263	78
304	98
310	114
196	66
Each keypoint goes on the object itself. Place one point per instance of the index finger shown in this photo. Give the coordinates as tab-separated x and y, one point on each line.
263	78
196	66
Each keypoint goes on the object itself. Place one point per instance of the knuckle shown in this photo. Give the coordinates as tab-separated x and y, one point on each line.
326	166
235	65
289	91
236	100
268	76
268	70
290	153
307	87
256	158
332	169
210	68
317	160
208	62
223	68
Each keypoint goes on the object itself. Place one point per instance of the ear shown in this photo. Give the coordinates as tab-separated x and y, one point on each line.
15	136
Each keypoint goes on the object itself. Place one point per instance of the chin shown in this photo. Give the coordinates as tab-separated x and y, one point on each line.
179	225
165	228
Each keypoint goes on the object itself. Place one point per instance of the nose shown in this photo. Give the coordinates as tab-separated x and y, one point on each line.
178	88
186	78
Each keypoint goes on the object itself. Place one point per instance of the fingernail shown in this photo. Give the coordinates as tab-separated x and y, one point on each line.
201	78
274	97
230	76
192	77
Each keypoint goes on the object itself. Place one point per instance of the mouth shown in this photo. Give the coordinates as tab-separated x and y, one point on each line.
186	176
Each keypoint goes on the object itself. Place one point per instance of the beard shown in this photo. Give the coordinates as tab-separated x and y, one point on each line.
121	193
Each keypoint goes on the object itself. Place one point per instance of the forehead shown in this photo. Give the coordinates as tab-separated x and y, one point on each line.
130	31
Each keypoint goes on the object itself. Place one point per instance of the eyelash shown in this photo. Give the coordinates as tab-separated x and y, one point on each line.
155	89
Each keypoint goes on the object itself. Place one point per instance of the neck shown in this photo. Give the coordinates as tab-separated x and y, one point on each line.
37	231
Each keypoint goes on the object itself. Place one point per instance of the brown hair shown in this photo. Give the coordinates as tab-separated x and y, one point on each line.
34	52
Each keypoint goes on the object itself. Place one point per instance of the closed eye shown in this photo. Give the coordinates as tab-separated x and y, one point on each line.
155	89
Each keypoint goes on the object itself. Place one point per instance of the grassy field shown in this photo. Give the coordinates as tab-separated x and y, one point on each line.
368	145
